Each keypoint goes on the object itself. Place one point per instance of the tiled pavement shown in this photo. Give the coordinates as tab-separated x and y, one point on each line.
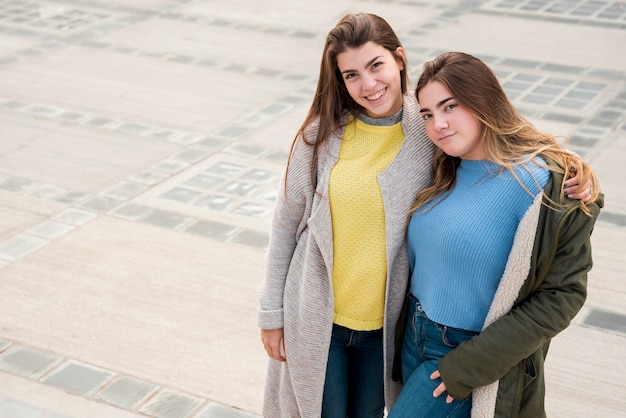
141	151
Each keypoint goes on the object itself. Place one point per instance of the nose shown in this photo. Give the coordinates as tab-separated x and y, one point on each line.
440	122
368	80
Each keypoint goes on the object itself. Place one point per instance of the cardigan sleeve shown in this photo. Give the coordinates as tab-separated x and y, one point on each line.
291	212
557	293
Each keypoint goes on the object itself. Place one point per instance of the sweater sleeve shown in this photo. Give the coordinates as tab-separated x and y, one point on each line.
291	212
546	311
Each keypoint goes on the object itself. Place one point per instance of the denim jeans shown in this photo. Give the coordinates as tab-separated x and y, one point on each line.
354	376
425	343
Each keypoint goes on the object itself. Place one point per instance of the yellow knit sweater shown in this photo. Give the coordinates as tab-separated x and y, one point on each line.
358	218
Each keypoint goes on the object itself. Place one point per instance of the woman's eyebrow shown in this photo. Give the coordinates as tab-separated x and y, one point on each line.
441	103
370	62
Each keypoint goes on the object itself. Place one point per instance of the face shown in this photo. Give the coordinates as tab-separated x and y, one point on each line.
372	76
450	126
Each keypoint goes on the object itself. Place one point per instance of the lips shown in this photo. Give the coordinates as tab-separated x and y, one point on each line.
377	95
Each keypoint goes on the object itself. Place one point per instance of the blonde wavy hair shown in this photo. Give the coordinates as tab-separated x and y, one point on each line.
508	139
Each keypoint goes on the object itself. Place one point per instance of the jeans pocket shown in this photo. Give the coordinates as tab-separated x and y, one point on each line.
452	337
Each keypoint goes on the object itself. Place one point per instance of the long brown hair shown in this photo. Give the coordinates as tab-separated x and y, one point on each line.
332	100
508	139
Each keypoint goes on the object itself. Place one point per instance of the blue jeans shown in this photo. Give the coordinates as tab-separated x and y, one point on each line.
425	343
354	376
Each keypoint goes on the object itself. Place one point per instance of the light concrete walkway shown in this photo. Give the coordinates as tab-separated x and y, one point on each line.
141	150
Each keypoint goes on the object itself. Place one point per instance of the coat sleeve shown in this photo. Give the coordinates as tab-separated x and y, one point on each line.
547	310
291	212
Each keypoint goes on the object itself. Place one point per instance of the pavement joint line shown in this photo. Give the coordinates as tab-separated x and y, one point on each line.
141	406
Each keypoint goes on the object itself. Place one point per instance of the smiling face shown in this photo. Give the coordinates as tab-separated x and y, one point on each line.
372	76
451	126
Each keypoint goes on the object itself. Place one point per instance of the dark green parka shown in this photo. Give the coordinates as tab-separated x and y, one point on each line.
543	287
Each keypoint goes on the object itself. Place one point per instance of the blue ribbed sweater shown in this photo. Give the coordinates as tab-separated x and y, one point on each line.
458	249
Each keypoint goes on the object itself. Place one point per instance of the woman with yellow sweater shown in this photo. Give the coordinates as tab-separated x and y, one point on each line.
337	262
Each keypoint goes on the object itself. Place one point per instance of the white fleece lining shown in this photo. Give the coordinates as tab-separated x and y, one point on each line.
515	274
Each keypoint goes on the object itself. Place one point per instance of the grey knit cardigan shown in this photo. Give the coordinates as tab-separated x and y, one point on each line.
297	292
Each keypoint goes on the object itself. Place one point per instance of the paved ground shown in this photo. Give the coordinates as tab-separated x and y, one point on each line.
142	144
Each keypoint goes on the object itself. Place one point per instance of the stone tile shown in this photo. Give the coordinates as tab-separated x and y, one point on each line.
166	219
79	377
4	345
202	181
214	410
171	404
216	202
72	197
252	210
238	188
131	211
75	216
13	408
100	203
149	177
126	392
225	169
191	155
211	229
50	230
170	166
20	246
606	320
124	190
14	184
251	238
47	191
28	362
180	194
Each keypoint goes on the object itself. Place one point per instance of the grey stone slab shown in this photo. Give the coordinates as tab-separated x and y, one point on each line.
202	181
166	219
211	229
28	362
14	408
4	345
216	202
47	191
20	246
614	218
171	404
72	197
571	104
191	155
100	203
238	188
606	320
75	216
124	190
226	169
537	99
79	377
131	211
170	166
149	177
180	194
14	184
253	210
251	238
126	392
50	230
214	410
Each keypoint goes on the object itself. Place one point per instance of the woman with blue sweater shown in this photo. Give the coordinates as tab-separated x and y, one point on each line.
498	256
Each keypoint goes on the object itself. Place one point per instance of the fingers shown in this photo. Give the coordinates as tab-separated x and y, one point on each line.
274	343
441	389
575	191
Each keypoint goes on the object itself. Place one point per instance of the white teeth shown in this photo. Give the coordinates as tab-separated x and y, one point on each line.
376	96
